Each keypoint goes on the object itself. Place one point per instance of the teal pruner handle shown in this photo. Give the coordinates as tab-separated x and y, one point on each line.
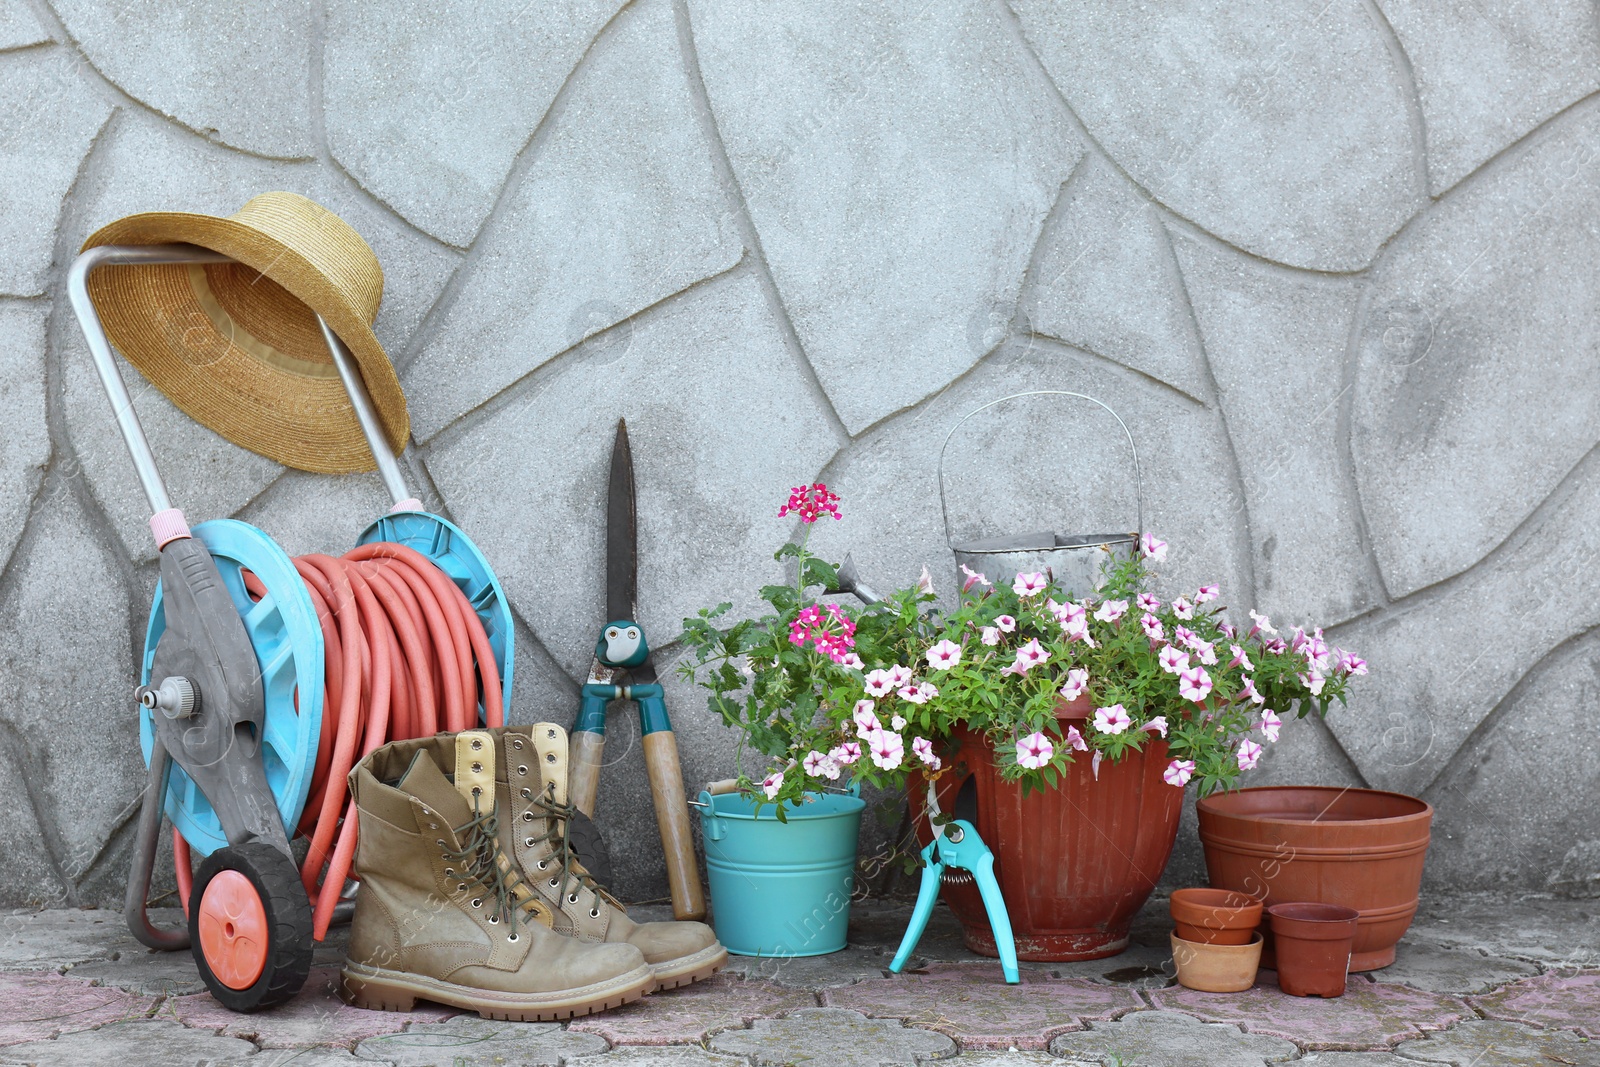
961	847
592	712
927	896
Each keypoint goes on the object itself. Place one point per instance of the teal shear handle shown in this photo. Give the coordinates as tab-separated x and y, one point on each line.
963	849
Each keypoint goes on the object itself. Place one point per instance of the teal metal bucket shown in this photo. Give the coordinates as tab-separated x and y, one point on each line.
781	889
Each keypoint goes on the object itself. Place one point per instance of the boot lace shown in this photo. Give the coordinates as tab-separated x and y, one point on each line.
555	832
480	860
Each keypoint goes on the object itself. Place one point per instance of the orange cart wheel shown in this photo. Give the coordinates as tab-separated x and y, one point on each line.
250	927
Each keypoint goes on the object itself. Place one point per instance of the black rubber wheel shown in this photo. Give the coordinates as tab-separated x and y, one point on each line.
584	838
259	886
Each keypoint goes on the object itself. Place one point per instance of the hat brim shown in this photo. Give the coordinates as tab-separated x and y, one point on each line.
306	422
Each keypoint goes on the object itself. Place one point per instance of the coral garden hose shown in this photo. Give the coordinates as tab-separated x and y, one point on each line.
406	656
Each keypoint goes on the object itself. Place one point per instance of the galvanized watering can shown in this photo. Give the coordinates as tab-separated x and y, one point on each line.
1074	560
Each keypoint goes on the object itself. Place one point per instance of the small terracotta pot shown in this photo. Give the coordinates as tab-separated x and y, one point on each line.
1313	942
1217	968
1215	916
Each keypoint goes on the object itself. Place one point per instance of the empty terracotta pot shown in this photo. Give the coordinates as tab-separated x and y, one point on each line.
1217	968
1214	916
1362	848
1312	942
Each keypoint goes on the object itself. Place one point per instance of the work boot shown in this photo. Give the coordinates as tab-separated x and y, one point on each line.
443	914
533	810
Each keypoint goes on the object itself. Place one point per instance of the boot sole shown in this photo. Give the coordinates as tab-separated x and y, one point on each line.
686	970
378	989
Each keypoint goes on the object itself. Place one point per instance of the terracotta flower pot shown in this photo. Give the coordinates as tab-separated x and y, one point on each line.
1215	916
1217	968
1074	863
1313	947
1360	848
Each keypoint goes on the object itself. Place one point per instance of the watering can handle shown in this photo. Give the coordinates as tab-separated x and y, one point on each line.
1138	477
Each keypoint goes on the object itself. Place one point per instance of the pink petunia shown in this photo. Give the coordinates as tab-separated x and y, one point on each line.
887	749
1240	659
897	723
820	764
1263	625
1147	602
1350	663
922	748
1112	610
1248	691
1194	684
1077	682
852	661
1153	548
1034	751
1207	593
1075	739
1029	656
1182	608
879	683
1313	681
1157	725
973	578
1204	651
1173	661
771	784
865	718
944	655
1030	584
845	754
1270	724
1249	754
990	635
1005	624
915	694
899	676
1178	772
1182	635
1112	720
1152	627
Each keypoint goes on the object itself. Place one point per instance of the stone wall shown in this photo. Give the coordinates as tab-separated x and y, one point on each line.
1333	261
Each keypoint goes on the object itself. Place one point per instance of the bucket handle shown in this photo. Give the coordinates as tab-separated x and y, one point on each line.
1138	476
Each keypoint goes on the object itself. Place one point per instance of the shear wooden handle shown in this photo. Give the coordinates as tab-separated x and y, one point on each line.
585	751
672	818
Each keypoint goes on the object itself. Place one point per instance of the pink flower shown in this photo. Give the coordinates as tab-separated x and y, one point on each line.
1182	608
1249	692
1194	684
878	683
1077	682
1075	739
1207	593
1313	681
925	582
1205	651
990	635
1227	628
1112	610
852	661
1316	651
845	754
1157	725
1152	627
887	749
1263	625
1029	656
1182	635
810	502
1178	772
814	762
1112	720
973	578
1172	661
899	676
897	723
1034	751
1350	663
1270	724
915	694
865	718
1249	753
1298	639
1006	624
1153	548
1240	659
1028	585
922	748
1094	764
944	655
772	782
1147	602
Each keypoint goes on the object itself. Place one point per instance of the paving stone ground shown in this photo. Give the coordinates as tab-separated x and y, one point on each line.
1475	983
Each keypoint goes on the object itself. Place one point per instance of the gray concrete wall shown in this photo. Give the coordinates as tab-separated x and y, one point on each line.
1333	261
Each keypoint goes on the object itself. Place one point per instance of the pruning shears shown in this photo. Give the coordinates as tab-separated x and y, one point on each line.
957	848
622	670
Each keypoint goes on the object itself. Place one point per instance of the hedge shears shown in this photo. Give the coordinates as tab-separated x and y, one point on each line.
622	670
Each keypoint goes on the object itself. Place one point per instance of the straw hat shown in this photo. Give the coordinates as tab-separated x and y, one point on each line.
237	346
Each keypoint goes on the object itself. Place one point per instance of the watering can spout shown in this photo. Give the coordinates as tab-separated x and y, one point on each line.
850	582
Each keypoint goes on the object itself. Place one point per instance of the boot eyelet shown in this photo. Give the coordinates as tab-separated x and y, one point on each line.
494	920
513	938
433	826
516	743
528	841
522	769
462	888
477	790
439	842
450	871
477	902
527	816
543	864
477	743
550	734
551	758
573	899
527	794
594	913
477	768
555	883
